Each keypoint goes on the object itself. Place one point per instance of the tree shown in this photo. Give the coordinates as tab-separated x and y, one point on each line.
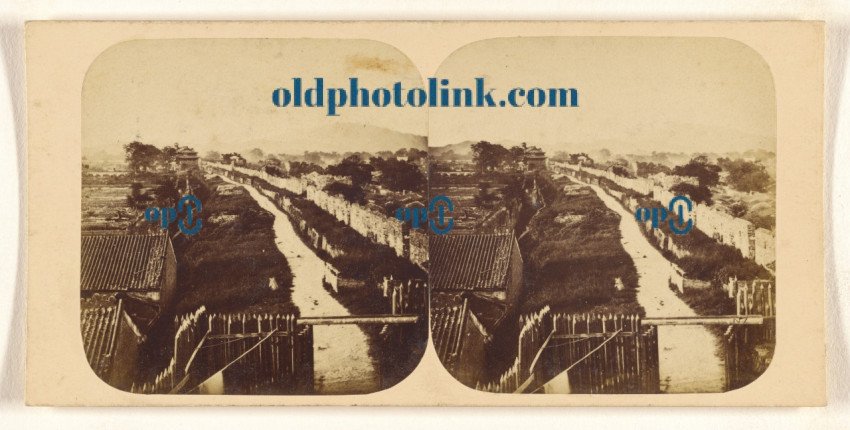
300	168
513	193
517	153
649	168
166	192
699	167
580	158
353	168
738	209
351	193
697	193
485	196
141	157
137	199
620	170
416	155
399	175
746	176
489	156
231	157
273	170
169	154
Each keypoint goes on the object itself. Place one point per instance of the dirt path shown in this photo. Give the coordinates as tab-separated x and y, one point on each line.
688	355
341	352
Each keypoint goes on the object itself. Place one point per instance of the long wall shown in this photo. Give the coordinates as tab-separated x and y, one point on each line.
371	224
755	244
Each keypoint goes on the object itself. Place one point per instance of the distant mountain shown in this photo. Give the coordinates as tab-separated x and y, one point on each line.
344	137
456	151
463	150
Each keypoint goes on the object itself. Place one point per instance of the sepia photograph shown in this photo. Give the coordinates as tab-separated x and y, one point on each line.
231	247
623	247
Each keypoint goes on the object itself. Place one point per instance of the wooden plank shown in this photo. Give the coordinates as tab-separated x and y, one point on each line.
360	319
707	320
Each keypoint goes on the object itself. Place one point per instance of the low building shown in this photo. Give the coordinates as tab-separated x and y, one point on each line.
487	264
140	266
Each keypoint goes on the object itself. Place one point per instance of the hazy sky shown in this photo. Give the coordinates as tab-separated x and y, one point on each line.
650	94
216	94
635	94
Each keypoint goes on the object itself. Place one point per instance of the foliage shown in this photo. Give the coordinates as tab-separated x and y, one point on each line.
138	199
513	193
272	160
232	157
746	176
738	209
353	168
399	175
649	168
489	156
227	266
169	154
166	192
273	170
351	193
572	266
620	170
413	155
699	167
301	168
697	193
580	158
141	157
485	197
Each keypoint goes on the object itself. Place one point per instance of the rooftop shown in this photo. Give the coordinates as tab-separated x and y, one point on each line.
99	320
470	261
122	262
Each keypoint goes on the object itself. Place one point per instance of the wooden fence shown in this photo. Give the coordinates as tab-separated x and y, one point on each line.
261	353
191	330
405	297
253	353
536	330
593	353
749	348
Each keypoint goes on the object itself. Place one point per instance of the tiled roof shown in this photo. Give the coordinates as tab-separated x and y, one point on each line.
100	317
98	324
122	262
470	261
446	327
